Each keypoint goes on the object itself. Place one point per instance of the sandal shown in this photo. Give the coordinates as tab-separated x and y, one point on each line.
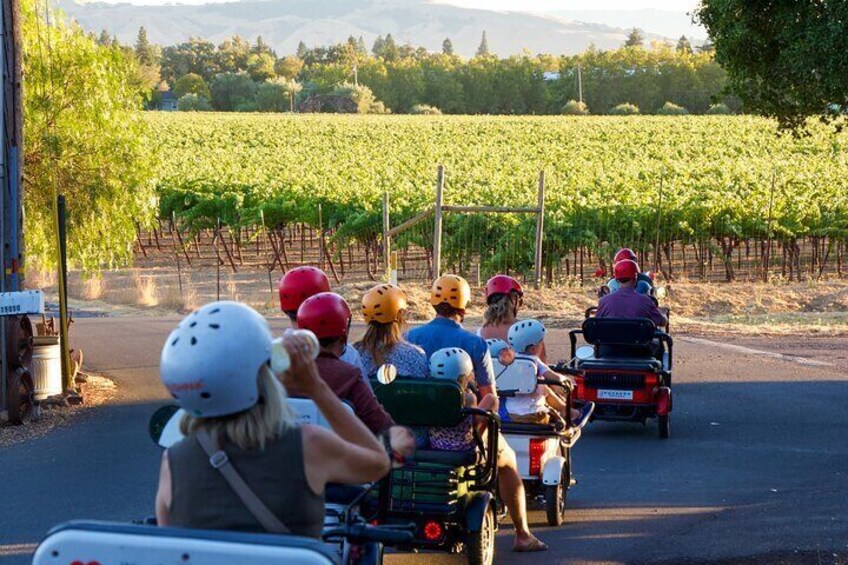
535	545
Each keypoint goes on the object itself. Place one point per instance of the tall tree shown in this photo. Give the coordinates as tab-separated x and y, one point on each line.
483	49
87	140
635	38
784	59
683	45
262	48
288	67
301	50
379	45
105	39
361	48
447	46
144	51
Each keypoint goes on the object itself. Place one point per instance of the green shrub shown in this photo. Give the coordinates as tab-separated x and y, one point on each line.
719	110
625	109
575	108
425	110
671	109
193	103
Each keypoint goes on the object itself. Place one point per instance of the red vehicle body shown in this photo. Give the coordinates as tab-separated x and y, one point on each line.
628	374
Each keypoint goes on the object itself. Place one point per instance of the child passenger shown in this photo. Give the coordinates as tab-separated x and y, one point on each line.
454	364
527	338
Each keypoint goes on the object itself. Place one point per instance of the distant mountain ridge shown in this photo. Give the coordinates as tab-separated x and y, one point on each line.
284	23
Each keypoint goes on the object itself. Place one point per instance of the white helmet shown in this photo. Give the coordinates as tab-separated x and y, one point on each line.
525	334
210	363
450	363
495	346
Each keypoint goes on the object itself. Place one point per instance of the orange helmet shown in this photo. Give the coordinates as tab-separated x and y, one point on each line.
382	304
451	289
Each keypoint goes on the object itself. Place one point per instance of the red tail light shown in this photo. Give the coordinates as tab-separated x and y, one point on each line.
537	449
433	531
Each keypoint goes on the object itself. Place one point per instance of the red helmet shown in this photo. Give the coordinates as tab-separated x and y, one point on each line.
625	270
624	253
502	284
299	284
326	315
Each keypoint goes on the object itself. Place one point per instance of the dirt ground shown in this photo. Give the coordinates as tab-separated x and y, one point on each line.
775	308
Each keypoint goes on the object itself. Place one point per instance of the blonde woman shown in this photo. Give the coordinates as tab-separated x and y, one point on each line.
216	364
383	308
504	296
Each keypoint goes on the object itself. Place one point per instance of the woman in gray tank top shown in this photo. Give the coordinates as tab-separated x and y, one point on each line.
217	365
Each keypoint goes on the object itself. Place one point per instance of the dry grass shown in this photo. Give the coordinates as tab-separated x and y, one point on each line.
40	279
776	306
146	290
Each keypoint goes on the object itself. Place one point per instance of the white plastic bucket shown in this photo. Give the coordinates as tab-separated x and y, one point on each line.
46	367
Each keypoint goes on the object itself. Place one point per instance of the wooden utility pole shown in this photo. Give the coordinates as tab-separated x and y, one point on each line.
659	220
437	227
540	230
580	83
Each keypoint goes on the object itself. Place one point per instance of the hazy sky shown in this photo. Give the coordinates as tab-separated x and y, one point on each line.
552	5
522	5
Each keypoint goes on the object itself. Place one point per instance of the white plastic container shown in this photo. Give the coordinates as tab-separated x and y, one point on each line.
46	367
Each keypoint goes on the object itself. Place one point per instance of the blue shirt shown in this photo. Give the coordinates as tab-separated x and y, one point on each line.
443	332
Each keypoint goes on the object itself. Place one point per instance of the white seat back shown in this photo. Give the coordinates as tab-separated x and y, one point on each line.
520	377
102	542
306	410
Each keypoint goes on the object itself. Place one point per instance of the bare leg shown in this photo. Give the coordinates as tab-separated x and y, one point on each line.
511	489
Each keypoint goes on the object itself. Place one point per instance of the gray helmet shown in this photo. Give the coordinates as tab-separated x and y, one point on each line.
210	363
495	346
525	334
450	363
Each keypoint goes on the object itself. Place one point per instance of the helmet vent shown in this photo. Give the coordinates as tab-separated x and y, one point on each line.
193	340
191	325
215	326
205	395
215	311
173	343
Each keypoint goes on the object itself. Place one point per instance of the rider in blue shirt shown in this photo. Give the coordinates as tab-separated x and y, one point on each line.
450	296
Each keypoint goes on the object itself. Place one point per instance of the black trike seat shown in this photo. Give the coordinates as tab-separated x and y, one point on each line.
449	458
621	364
541	430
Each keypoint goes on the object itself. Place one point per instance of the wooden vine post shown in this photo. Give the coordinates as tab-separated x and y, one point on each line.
540	230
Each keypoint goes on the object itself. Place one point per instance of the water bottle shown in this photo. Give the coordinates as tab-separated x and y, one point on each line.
280	361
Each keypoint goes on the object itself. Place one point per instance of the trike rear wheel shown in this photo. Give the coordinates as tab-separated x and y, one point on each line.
664	426
481	544
556	497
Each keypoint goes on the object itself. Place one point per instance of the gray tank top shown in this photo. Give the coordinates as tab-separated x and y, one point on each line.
202	498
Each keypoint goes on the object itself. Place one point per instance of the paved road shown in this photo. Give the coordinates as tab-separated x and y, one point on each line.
758	460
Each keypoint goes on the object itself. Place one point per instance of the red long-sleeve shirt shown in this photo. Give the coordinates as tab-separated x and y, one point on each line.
346	381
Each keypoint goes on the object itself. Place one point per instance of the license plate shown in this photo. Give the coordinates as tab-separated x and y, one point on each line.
615	395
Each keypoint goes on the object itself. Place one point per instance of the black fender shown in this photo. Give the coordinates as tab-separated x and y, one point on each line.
476	506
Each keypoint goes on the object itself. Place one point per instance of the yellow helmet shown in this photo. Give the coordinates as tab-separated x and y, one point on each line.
382	304
451	289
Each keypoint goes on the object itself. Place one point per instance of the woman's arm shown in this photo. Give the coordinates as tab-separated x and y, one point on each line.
163	494
350	455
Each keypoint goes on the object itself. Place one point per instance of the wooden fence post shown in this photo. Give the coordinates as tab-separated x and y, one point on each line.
540	230
437	227
387	240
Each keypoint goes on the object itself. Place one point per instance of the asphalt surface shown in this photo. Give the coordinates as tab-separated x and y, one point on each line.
757	464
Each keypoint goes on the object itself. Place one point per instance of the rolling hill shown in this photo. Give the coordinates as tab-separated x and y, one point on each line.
284	23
